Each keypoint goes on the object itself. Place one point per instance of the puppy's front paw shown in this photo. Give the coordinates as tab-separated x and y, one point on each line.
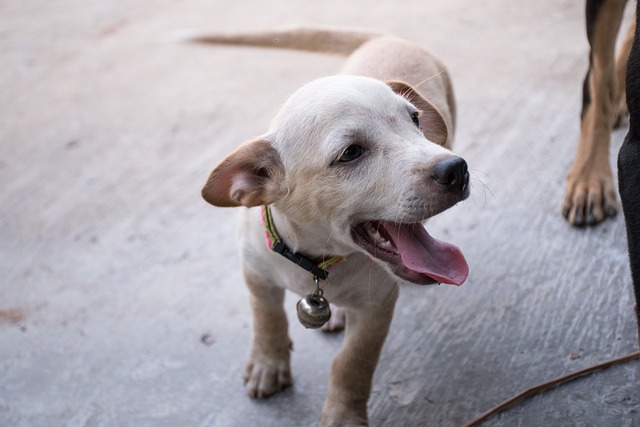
264	377
337	321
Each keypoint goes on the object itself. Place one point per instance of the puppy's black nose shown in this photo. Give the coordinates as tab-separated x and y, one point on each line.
452	172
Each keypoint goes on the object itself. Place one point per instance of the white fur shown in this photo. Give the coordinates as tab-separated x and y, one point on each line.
316	200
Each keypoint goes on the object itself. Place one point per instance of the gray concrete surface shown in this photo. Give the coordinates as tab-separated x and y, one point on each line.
121	298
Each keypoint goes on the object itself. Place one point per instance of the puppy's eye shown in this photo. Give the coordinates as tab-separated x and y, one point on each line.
351	153
416	120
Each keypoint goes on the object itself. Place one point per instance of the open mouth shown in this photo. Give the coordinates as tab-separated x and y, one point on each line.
412	253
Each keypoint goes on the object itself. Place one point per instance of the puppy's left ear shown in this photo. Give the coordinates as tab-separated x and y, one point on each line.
252	175
432	123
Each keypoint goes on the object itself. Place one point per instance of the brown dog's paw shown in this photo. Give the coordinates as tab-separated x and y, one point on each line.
265	377
589	200
337	321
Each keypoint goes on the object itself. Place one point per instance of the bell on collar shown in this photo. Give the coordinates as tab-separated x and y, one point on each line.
313	310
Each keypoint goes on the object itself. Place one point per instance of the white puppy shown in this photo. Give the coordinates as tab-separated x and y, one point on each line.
349	169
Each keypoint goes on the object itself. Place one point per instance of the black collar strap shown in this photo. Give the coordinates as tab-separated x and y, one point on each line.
277	245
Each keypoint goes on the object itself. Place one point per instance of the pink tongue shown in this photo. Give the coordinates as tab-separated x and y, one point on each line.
422	253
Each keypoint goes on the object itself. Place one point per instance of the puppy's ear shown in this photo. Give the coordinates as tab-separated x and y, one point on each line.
252	175
432	123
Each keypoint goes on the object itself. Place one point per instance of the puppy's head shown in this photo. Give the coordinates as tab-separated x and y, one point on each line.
360	163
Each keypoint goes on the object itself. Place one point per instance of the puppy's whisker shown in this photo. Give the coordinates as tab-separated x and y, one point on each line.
485	187
429	78
478	172
326	244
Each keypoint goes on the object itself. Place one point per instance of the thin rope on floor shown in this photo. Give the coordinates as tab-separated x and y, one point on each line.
549	385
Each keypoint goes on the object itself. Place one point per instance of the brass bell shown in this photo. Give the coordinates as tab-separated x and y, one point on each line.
313	310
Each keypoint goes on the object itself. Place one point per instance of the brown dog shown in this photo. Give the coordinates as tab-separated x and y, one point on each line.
350	167
590	195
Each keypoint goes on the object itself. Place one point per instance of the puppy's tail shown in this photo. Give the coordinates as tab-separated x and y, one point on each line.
309	39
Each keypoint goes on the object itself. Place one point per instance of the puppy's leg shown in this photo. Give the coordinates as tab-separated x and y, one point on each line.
337	321
621	74
590	194
353	368
268	369
629	170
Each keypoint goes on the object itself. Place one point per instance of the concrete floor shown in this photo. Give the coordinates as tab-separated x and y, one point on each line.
121	297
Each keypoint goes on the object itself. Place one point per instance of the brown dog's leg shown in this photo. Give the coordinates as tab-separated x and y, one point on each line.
353	368
268	369
590	194
621	74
